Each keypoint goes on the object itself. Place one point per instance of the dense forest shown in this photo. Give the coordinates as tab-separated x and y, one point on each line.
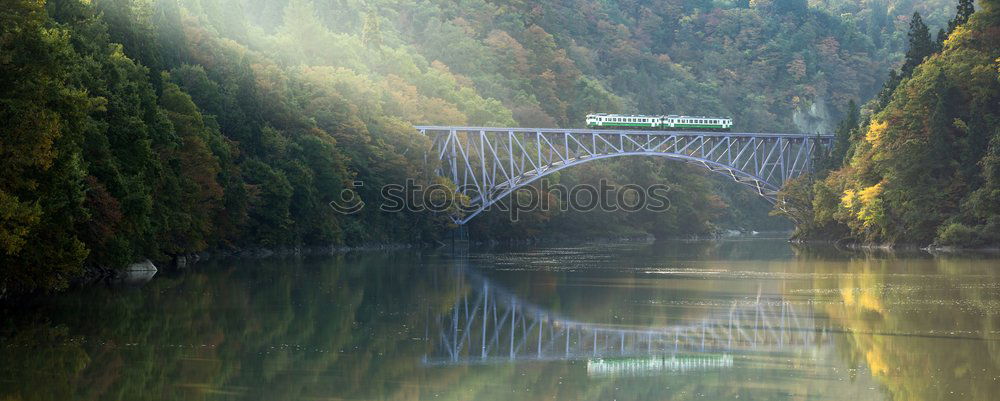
921	164
137	129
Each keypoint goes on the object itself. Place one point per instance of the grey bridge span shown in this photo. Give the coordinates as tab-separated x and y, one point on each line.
488	324
488	164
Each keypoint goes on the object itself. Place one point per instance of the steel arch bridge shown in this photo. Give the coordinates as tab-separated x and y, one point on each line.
488	324
487	164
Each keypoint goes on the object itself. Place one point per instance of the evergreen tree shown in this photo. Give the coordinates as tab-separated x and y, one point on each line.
169	32
885	94
921	45
963	11
939	126
371	32
842	140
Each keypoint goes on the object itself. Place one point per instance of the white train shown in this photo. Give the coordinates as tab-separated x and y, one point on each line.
671	122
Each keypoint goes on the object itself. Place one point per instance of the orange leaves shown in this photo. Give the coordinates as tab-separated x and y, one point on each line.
797	68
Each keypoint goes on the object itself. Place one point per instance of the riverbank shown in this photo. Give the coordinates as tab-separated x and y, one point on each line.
851	244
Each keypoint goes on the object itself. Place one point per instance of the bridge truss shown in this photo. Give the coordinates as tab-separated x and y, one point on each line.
488	164
490	325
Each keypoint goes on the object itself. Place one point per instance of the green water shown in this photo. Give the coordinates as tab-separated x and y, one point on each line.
743	319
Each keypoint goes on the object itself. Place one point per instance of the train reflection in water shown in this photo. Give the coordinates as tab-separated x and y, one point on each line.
488	324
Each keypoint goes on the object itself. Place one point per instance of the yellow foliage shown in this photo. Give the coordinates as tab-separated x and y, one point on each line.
868	198
876	131
848	199
864	205
960	33
869	194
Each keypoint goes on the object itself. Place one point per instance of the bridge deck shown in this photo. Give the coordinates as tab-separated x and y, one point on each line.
423	128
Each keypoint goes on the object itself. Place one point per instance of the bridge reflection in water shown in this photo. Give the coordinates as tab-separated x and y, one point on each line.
489	324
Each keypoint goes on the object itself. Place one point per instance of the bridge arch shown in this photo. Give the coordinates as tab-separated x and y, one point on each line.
488	164
487	323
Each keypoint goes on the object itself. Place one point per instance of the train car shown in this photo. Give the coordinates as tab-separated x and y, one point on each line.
628	121
698	123
670	122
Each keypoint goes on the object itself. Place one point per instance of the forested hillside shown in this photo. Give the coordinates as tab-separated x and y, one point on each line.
924	166
140	129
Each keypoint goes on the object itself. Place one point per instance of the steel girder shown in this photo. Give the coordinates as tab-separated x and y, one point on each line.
487	164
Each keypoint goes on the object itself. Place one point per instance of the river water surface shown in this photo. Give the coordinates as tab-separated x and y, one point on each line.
708	320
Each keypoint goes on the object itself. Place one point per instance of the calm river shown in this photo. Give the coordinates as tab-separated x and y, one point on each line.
709	320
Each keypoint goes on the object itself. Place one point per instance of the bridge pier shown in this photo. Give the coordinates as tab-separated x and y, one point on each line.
459	236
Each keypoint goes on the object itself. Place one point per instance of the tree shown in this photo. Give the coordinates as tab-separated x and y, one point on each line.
371	31
921	45
842	141
885	94
41	188
963	11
